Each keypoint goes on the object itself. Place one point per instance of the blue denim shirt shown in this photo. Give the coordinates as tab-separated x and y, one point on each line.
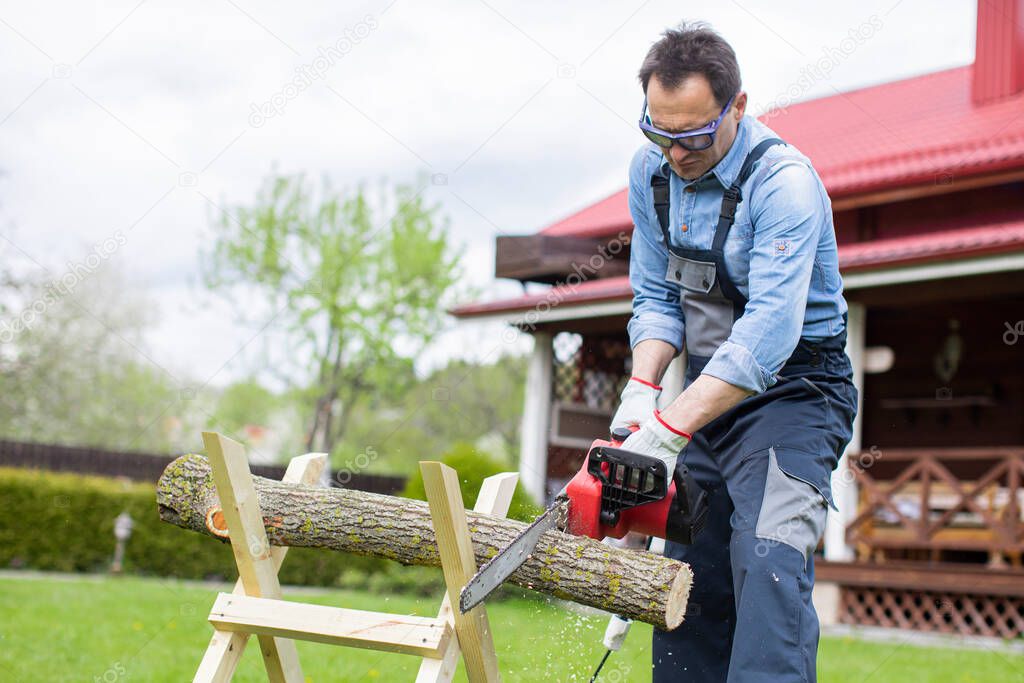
781	253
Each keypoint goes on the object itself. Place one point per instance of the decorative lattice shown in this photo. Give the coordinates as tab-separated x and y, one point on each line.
590	370
933	611
566	349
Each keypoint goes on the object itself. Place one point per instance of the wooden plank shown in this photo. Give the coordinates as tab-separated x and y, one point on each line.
926	188
455	548
412	635
257	571
938	577
494	498
226	647
552	259
976	539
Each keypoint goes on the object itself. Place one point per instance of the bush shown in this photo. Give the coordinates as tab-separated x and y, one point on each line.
420	581
473	467
65	522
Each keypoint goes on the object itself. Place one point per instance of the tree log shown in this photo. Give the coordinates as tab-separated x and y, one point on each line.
634	584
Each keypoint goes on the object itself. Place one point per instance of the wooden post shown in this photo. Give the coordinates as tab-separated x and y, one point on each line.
536	423
455	548
226	647
257	571
494	498
844	486
673	380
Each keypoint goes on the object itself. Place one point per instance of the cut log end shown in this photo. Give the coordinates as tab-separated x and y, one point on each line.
678	598
215	522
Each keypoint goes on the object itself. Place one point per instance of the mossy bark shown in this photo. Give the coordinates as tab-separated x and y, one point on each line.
635	584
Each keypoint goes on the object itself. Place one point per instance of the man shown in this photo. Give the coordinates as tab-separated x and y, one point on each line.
734	260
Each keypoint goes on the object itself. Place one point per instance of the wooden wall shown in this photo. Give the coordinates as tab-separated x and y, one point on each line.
930	214
912	405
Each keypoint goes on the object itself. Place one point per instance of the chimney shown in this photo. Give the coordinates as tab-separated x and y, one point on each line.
999	50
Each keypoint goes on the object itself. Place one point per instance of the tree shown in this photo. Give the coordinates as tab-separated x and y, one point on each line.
358	280
475	401
74	370
469	402
246	402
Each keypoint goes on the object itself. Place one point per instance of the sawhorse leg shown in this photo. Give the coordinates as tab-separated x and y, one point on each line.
494	498
455	546
257	561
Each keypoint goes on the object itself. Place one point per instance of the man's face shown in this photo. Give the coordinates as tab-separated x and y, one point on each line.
686	107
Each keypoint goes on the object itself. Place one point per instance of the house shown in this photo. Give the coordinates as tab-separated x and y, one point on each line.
926	177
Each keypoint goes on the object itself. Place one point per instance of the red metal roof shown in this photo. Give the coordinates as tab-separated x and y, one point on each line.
592	291
606	217
916	131
993	238
921	130
960	242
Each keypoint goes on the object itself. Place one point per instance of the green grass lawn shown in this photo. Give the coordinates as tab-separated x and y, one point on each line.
129	629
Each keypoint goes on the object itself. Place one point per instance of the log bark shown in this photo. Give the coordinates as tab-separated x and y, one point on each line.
632	583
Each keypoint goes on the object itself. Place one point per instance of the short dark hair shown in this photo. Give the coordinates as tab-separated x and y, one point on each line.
693	49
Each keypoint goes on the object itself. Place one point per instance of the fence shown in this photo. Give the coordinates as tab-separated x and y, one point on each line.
139	466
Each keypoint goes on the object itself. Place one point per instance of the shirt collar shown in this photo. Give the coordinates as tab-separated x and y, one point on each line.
728	168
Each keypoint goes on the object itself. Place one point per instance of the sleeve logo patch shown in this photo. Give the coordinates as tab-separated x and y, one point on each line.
782	248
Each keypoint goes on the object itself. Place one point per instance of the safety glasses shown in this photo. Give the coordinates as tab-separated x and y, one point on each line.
692	140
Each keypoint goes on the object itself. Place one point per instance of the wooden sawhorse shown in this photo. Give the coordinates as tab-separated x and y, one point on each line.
255	606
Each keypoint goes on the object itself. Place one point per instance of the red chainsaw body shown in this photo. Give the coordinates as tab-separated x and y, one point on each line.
584	519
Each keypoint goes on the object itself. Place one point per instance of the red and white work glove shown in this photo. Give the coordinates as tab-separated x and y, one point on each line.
639	400
658	439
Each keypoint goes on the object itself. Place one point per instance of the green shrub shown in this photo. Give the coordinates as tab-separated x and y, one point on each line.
65	522
422	581
473	467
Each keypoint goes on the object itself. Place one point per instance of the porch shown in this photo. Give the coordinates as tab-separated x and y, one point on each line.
930	532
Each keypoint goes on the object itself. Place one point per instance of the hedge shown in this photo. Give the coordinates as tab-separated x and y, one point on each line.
65	522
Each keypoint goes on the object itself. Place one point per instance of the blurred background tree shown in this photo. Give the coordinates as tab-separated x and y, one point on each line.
246	402
359	281
476	403
79	373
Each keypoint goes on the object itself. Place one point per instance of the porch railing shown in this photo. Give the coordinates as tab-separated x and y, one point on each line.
939	500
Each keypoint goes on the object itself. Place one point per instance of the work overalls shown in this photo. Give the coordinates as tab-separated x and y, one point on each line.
766	466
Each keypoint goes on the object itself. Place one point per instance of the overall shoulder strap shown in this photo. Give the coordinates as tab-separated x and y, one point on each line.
660	187
732	196
752	157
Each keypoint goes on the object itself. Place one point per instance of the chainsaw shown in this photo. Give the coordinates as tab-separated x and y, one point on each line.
615	492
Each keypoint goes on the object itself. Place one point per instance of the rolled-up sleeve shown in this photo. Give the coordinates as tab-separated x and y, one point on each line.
788	210
656	310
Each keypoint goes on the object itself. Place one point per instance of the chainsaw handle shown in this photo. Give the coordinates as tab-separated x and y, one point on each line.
689	508
619	433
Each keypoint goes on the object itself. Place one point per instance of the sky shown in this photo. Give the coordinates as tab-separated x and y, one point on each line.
126	128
